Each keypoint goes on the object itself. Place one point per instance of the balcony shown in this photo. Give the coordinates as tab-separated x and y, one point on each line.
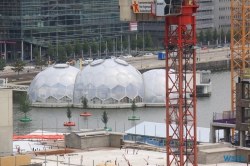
225	117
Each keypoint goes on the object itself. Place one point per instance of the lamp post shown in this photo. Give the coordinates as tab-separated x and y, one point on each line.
99	52
106	47
57	43
143	36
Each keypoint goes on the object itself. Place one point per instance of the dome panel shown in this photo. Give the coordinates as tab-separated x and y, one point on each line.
103	92
122	79
131	91
111	82
108	71
52	80
66	79
98	79
118	92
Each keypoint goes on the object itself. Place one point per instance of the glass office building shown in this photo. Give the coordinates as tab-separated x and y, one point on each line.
26	23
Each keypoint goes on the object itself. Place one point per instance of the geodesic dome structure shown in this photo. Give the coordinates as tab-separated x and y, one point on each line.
109	82
155	86
53	85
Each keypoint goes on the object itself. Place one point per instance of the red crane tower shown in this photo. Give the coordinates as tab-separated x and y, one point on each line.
180	39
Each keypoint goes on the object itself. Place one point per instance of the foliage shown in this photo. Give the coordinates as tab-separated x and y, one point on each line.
69	113
133	106
103	45
61	54
201	36
24	104
68	49
110	45
139	41
208	35
133	43
229	35
85	103
77	47
222	33
2	64
148	41
105	118
118	43
18	66
85	46
36	51
40	62
94	46
50	50
125	42
215	34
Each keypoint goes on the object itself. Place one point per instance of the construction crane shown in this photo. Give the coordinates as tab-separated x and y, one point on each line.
180	40
240	40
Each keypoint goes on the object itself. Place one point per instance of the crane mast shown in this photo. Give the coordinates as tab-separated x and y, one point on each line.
240	40
180	39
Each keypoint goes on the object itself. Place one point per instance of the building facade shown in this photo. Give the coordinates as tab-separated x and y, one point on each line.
211	14
27	23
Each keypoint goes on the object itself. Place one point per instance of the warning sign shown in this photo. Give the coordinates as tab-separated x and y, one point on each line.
142	6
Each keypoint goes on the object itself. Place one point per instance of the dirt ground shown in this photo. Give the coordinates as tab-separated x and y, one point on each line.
23	76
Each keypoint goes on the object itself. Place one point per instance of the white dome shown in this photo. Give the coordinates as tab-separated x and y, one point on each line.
53	85
109	82
155	86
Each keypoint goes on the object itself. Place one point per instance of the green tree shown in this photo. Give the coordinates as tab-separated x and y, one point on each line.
94	46
40	62
110	45
133	106
228	35
133	43
215	35
208	35
36	52
118	43
69	113
85	103
24	104
18	66
61	54
85	46
68	49
2	64
139	41
201	36
222	33
77	47
50	50
125	42
148	41
103	45
105	118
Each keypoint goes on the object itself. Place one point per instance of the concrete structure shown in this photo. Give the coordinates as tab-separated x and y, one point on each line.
6	122
242	109
86	139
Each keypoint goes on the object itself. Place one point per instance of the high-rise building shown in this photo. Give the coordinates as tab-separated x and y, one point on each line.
27	23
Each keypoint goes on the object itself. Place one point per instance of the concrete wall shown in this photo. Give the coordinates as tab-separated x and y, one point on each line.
95	141
214	156
6	122
243	152
115	140
73	141
214	153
